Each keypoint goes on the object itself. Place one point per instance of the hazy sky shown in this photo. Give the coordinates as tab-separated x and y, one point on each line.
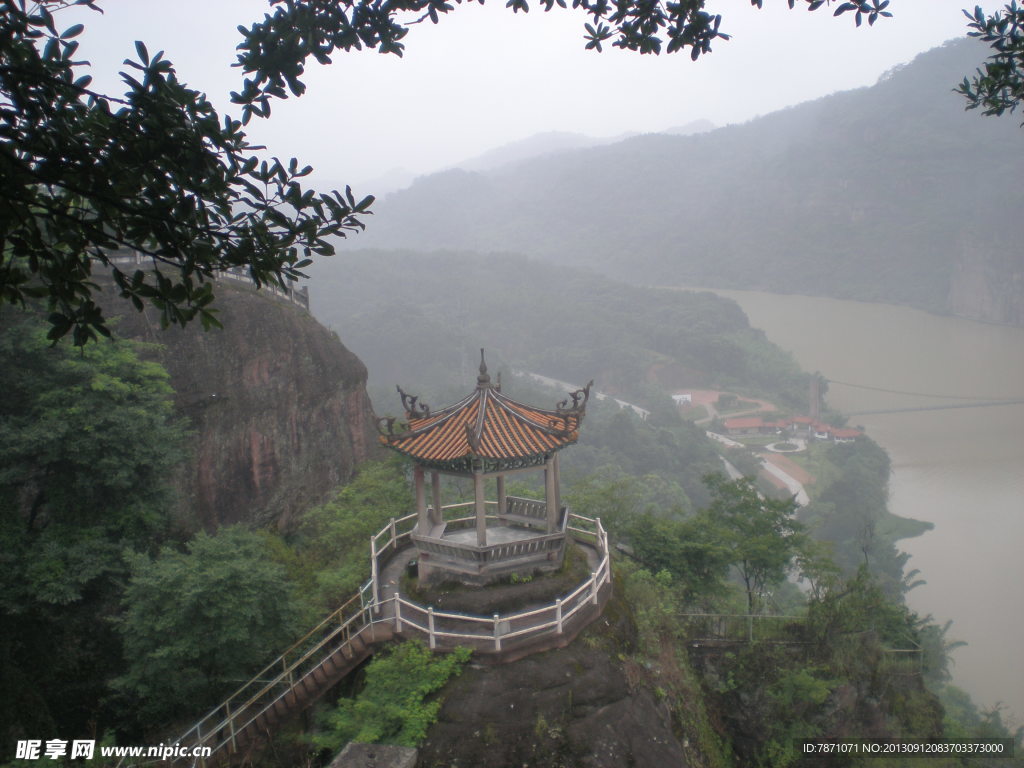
484	77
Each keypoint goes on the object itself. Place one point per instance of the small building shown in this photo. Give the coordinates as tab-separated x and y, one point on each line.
682	399
845	435
752	425
746	425
486	435
801	425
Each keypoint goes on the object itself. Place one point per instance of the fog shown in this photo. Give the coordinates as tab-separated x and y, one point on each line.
484	77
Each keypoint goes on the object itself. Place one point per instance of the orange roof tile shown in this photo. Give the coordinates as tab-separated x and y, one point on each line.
486	425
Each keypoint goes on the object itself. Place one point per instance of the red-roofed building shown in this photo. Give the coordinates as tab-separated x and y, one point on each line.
821	431
845	435
752	425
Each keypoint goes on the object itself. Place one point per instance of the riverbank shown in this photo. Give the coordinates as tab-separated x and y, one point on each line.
958	470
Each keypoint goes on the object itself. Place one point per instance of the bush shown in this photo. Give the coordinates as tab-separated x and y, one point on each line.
392	708
198	623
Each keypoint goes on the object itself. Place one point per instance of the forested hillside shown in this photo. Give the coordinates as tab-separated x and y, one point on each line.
425	316
890	193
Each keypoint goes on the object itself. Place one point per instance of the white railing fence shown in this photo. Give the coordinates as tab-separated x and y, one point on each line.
493	634
751	628
275	690
299	296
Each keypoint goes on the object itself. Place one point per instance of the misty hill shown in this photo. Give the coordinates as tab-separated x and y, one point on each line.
430	314
550	142
528	148
890	193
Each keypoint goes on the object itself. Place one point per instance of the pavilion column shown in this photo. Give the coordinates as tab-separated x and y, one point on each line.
481	520
558	487
435	486
422	523
502	500
550	493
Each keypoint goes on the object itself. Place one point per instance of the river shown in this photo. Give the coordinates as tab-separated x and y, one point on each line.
962	470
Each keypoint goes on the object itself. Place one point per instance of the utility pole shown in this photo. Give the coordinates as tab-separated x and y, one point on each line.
815	397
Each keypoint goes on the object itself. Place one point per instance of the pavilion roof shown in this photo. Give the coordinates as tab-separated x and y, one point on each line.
485	428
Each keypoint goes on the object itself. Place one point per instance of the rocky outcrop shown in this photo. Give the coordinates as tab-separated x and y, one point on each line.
277	404
988	283
576	706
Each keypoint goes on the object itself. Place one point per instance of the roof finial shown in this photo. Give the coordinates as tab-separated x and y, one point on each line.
483	380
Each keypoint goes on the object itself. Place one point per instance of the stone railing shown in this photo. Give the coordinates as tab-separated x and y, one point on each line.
492	553
401	531
298	296
499	633
530	511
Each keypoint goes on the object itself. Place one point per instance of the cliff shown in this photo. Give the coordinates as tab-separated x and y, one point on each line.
623	695
277	404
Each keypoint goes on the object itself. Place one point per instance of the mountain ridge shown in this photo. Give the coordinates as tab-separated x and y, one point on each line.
886	193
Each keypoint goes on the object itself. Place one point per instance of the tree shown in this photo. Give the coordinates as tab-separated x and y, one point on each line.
197	623
760	534
88	444
998	86
158	171
333	542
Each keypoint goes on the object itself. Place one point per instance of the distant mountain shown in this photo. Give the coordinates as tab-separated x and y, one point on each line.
538	145
388	182
534	146
890	193
695	126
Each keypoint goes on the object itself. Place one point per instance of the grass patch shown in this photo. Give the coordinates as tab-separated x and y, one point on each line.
694	413
786	447
817	464
758	441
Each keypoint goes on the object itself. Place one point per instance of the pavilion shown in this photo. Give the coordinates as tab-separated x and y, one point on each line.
484	435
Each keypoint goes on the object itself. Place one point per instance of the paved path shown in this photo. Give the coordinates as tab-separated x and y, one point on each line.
795	486
643	413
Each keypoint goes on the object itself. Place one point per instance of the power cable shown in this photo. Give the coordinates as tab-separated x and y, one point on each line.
920	394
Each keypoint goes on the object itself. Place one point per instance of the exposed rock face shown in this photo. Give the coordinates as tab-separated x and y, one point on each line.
571	707
277	403
988	284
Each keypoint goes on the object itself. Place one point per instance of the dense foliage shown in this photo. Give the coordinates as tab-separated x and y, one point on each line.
849	508
566	323
846	666
332	545
196	624
88	445
395	705
998	86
